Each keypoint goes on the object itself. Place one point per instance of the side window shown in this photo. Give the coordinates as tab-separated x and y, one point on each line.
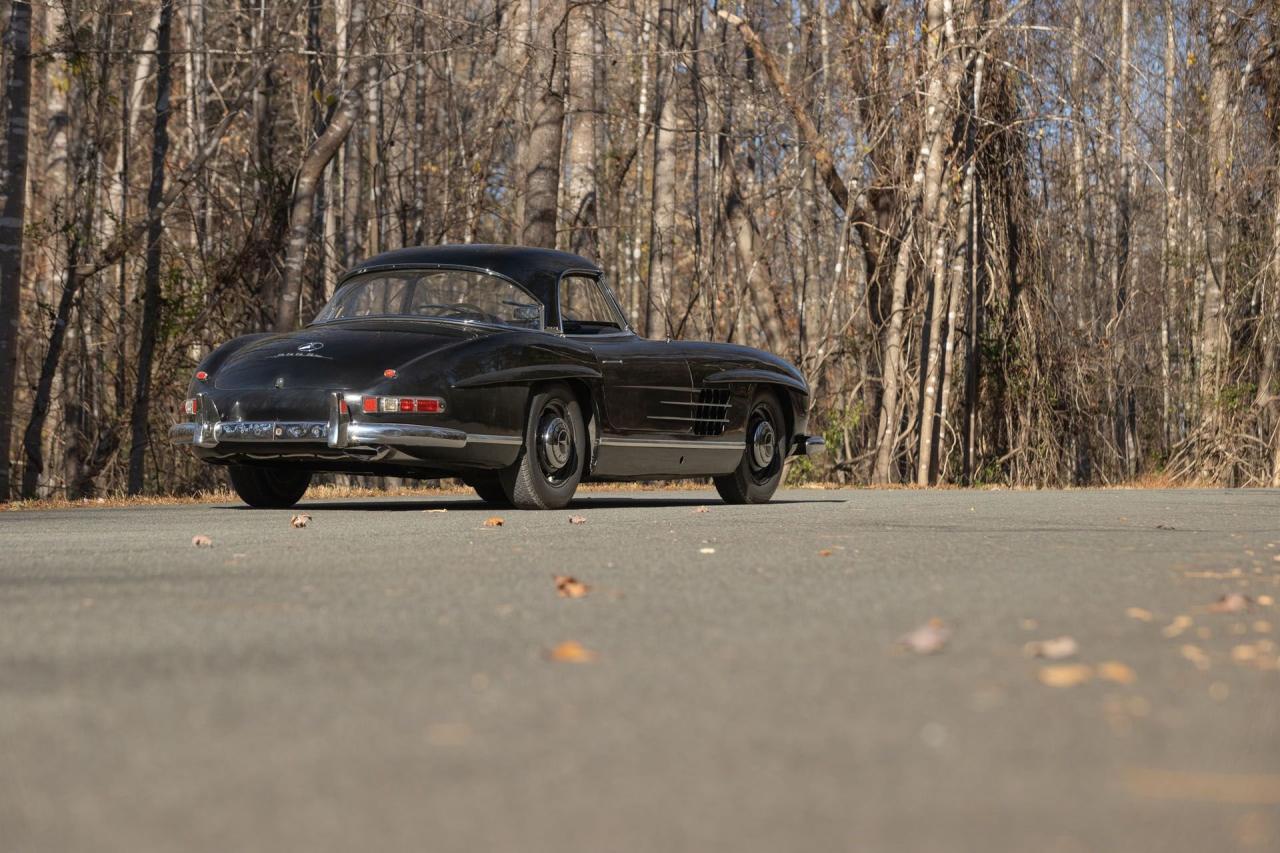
584	309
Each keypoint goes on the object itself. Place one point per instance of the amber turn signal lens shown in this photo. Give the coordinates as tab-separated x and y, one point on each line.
201	375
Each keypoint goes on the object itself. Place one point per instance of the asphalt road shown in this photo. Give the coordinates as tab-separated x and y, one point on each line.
381	679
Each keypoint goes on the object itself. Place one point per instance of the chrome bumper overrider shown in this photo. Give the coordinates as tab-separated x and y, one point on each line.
339	431
810	445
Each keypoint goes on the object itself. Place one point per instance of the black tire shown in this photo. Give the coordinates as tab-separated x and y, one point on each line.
269	488
490	491
554	454
758	474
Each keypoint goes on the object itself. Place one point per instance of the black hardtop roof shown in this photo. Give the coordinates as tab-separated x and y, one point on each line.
536	269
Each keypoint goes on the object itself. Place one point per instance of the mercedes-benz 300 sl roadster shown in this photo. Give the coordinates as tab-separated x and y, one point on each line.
510	368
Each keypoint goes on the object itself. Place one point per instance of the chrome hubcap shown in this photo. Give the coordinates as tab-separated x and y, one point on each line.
763	444
555	443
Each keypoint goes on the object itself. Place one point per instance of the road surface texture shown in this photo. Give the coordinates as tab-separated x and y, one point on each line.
382	679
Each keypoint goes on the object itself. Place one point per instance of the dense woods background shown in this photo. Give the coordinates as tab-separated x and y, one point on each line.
1008	242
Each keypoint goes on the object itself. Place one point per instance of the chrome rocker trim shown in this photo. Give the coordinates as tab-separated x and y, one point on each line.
339	432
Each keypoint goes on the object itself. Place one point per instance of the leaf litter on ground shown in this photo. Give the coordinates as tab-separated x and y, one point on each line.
930	638
495	521
1231	602
201	541
1054	649
300	520
577	519
1065	675
568	586
571	651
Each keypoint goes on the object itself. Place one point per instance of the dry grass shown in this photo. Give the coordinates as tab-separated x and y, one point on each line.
451	487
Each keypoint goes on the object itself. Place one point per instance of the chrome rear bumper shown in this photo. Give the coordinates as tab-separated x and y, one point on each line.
810	445
339	431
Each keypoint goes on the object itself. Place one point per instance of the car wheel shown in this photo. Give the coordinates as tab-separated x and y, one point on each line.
490	491
553	457
758	474
269	488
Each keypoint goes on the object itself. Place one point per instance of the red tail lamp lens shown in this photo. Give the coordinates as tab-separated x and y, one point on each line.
389	373
430	405
370	404
192	406
406	404
201	375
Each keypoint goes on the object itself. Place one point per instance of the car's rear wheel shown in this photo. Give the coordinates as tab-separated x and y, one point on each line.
554	454
758	474
269	488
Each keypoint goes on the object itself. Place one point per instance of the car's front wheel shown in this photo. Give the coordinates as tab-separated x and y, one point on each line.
758	474
554	454
269	488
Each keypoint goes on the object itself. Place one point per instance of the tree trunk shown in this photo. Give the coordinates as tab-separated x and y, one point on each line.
926	191
1214	333
662	221
541	164
151	297
13	198
301	212
1168	304
581	199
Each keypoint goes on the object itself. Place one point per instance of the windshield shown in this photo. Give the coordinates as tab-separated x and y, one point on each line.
445	294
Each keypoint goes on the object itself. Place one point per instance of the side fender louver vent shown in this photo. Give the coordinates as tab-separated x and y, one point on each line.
711	411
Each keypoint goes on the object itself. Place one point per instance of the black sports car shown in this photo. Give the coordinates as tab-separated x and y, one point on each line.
510	368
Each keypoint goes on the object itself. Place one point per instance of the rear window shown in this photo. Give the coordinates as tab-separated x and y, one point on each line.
446	294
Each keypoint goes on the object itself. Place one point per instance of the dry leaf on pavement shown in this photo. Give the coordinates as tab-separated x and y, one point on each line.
570	587
571	651
930	638
1115	671
1180	623
1232	602
495	521
1138	613
439	509
577	519
701	509
201	541
1055	649
825	552
706	550
1196	655
1065	675
301	520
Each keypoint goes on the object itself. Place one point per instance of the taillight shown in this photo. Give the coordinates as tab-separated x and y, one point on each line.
388	405
201	375
191	406
343	408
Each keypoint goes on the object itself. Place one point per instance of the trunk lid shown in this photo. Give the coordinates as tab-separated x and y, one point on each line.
340	356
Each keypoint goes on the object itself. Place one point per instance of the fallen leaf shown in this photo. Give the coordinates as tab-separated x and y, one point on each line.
440	509
930	638
495	521
1232	602
1244	653
1196	655
1055	649
1266	600
201	541
570	587
1138	613
1165	527
1115	671
1179	624
577	519
571	651
301	520
1065	675
706	550
825	552
701	509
